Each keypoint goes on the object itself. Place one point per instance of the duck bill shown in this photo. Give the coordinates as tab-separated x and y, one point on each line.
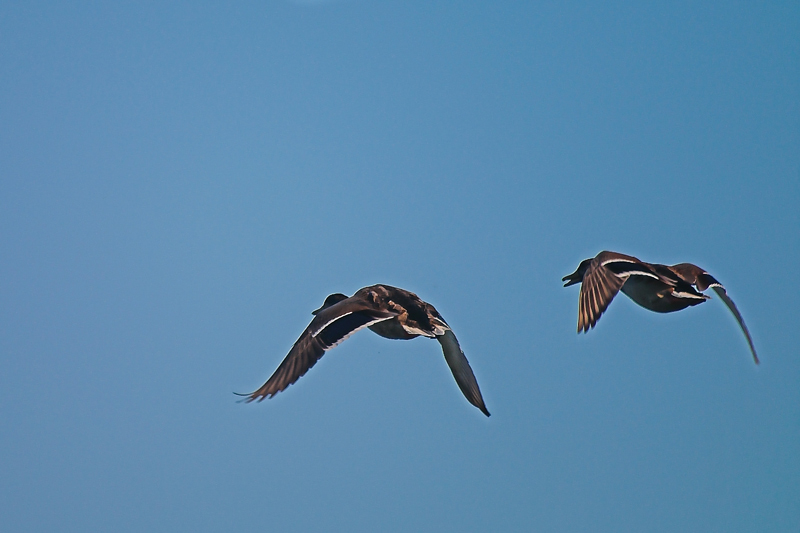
572	279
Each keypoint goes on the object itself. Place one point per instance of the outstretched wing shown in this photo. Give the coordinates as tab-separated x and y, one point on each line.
703	280
603	279
331	326
461	370
720	290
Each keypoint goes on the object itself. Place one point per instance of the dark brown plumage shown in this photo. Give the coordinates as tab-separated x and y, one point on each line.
659	288
388	311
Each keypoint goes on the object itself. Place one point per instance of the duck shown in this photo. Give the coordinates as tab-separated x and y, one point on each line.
659	288
390	312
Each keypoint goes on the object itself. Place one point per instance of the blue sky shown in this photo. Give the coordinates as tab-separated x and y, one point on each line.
181	184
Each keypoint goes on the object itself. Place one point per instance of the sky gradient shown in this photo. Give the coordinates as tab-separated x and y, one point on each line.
181	184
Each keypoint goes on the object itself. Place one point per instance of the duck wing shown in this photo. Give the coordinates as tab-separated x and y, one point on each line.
461	370
720	290
329	327
602	281
703	280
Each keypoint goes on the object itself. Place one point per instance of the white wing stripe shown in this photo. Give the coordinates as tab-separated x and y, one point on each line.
315	333
639	273
337	343
689	295
616	260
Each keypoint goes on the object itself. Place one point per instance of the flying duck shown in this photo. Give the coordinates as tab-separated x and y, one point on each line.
659	288
388	311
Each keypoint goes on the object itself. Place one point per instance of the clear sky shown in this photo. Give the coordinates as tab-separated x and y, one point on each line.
181	184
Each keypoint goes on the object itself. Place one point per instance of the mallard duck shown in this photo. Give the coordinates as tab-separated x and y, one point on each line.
388	311
659	288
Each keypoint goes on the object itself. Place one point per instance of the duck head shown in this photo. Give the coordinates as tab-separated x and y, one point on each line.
577	276
330	300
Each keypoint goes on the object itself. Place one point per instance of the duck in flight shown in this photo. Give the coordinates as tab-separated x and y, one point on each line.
659	288
388	311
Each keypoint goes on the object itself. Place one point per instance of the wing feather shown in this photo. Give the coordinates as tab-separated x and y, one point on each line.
461	370
329	328
600	286
720	290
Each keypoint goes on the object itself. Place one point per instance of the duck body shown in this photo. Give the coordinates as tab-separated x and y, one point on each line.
655	295
415	317
656	287
390	312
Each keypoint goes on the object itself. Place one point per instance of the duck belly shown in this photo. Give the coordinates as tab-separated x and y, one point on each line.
657	296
